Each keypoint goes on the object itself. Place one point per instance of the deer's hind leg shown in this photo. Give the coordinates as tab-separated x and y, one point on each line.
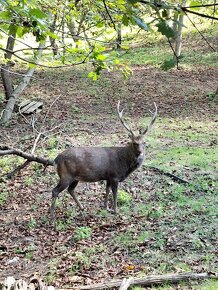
62	185
71	188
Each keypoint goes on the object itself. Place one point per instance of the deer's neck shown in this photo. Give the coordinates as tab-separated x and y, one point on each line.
133	159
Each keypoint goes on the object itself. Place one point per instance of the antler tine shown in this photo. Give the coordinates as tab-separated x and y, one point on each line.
120	114
154	116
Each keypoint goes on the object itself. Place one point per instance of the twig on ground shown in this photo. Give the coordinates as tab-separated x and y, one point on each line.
171	175
17	169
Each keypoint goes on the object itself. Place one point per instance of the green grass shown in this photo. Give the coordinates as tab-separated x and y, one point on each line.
156	57
151	56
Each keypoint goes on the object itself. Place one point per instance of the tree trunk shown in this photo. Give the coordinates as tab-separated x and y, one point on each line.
54	46
178	43
7	113
119	36
7	82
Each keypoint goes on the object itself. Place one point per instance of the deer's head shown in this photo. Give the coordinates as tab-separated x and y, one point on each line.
137	140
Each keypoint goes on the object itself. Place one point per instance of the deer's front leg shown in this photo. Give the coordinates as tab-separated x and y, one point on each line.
106	200
114	188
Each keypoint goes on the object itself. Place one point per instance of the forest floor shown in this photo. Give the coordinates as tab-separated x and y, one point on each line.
162	226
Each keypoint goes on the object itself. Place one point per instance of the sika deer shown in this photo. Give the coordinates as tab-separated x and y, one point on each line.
91	164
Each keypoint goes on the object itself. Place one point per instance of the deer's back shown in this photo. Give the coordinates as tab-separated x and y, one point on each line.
92	164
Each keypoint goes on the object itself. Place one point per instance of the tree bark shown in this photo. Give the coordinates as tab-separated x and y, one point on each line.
119	36
7	82
54	46
178	43
7	113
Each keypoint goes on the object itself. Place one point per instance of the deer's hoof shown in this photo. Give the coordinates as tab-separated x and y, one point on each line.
110	210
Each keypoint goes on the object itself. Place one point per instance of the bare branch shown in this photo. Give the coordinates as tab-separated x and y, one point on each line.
16	39
199	14
201	34
108	13
43	65
19	74
5	150
201	6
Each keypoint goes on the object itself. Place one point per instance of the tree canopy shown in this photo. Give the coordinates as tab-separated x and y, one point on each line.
63	33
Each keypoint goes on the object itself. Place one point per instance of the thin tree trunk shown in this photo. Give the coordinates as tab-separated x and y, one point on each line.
7	82
54	46
119	36
178	44
7	113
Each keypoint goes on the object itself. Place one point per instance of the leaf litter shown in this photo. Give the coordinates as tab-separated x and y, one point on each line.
150	235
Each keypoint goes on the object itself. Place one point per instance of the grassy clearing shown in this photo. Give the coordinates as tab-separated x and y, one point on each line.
157	56
156	51
165	226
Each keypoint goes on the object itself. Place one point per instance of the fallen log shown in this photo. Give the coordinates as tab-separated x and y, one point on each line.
125	283
148	281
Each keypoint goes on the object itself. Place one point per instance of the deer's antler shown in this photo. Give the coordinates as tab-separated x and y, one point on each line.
154	116
120	114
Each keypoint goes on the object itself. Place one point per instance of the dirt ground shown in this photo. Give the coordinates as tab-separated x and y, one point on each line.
83	111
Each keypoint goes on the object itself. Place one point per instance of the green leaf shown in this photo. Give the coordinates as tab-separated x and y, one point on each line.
195	3
116	61
164	27
93	75
5	15
125	20
19	31
32	65
124	46
38	13
101	57
140	23
100	24
53	35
